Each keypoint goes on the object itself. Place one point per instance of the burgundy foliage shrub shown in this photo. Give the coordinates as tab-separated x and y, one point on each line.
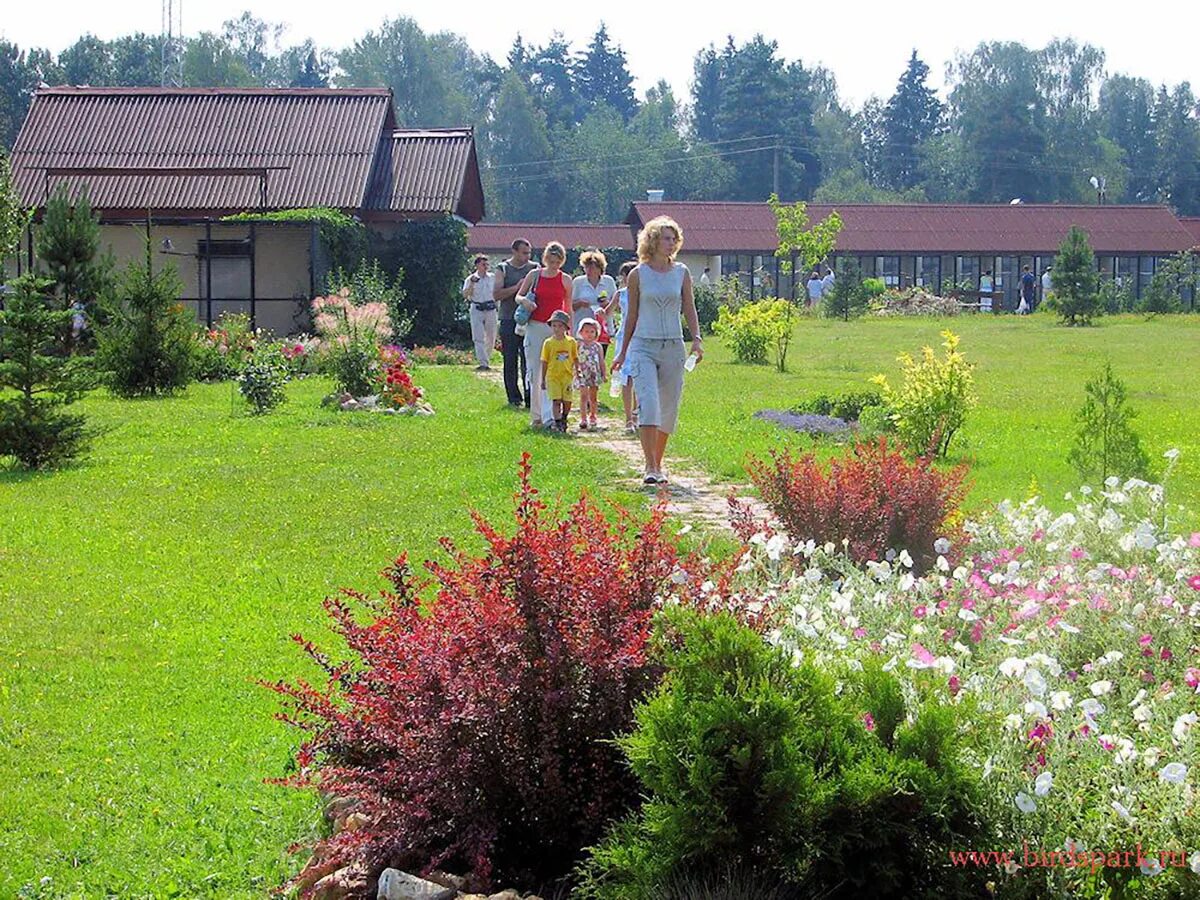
873	497
473	716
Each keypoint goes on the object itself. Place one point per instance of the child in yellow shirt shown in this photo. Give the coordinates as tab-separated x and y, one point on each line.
559	355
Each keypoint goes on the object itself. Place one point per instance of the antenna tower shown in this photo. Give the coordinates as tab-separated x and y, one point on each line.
172	43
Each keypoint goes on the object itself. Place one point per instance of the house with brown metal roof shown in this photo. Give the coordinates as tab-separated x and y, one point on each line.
174	162
932	245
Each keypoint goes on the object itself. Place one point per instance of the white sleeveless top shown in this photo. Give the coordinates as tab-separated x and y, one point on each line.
660	303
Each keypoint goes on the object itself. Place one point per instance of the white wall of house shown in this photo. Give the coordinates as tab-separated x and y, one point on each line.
281	268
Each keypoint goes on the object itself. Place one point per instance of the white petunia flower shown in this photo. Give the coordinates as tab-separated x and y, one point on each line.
967	615
1138	698
1061	700
1035	683
1125	751
1194	862
1013	667
1037	709
1012	722
1150	757
1068	627
1122	811
1112	481
1043	783
1100	688
1183	725
1091	708
941	545
1025	803
1143	713
1173	773
775	547
1151	866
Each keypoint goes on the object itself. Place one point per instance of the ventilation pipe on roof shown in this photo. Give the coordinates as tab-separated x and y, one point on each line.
655	195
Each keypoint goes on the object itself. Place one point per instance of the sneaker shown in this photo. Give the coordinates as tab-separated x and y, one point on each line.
650	478
662	479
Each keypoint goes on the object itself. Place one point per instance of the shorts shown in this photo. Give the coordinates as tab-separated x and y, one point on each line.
656	370
559	390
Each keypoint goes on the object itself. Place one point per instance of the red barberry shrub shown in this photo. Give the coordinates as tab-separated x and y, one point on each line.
873	498
472	720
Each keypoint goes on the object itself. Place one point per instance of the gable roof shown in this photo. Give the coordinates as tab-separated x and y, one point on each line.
498	236
929	228
427	171
311	146
1192	224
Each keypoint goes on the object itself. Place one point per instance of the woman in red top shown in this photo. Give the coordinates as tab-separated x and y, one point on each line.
552	292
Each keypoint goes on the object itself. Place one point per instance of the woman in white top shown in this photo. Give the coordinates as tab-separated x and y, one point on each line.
660	289
477	290
592	292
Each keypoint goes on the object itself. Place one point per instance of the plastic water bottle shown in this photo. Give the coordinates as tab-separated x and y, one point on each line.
614	386
690	362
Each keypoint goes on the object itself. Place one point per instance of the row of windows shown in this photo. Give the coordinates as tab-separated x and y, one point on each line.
763	276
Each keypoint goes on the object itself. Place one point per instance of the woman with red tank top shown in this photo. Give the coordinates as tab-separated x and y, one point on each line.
551	293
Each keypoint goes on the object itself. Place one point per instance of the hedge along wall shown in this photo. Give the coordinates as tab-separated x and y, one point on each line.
433	257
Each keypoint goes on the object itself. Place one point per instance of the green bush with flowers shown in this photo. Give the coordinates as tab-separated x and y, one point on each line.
223	350
1072	638
932	402
264	377
755	329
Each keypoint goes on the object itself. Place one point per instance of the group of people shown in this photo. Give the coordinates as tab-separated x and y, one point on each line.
1027	287
555	332
819	285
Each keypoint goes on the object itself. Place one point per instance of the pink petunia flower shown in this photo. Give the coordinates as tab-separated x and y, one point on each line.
868	721
1194	540
1194	582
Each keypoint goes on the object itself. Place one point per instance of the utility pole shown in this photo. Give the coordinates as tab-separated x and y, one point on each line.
775	180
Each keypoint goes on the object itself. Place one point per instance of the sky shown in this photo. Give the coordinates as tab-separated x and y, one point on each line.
867	51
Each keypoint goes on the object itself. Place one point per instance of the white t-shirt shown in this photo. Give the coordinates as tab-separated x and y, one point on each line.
816	287
583	291
481	290
1047	284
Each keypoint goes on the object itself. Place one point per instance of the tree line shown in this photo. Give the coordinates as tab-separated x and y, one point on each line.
562	136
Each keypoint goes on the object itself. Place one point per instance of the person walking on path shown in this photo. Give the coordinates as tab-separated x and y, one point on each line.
543	292
559	363
591	293
509	277
620	374
660	290
478	290
590	372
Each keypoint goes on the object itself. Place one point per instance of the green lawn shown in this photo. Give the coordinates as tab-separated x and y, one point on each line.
1030	375
143	591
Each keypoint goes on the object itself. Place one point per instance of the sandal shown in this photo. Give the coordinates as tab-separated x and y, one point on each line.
650	478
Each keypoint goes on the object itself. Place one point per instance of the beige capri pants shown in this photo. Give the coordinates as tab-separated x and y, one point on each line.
656	369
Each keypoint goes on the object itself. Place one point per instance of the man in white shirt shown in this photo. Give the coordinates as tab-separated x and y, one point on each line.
704	277
816	287
827	281
477	290
1047	284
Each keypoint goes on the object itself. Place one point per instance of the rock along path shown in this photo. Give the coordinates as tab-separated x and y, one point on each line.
691	495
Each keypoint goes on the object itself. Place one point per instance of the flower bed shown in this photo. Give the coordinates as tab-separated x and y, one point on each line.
1072	638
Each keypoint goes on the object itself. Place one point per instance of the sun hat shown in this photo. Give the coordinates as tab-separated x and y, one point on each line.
560	316
587	320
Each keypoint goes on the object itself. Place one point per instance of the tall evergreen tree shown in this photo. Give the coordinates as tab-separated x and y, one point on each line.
709	79
555	71
36	382
1000	115
603	77
519	144
1069	79
68	243
1076	296
910	118
1126	118
137	61
1177	136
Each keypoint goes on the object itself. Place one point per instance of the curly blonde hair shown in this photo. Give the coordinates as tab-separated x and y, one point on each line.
593	256
648	237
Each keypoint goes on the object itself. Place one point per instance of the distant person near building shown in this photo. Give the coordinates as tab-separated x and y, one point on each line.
827	281
987	288
704	277
816	287
1047	285
1028	292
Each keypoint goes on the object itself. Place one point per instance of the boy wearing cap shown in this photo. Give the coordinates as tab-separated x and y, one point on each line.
590	371
560	353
